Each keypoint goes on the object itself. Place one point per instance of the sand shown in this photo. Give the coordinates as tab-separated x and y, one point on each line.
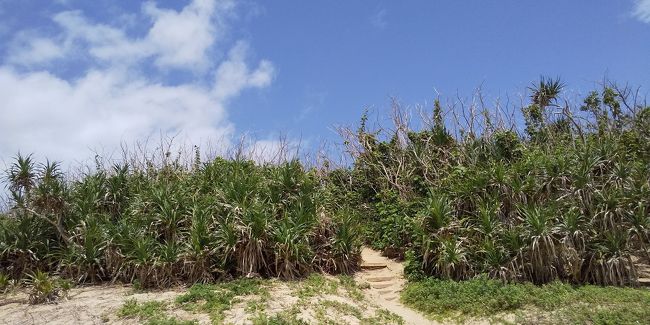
100	304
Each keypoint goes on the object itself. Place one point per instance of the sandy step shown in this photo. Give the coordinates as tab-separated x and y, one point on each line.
391	298
373	266
387	291
380	278
385	279
382	285
644	282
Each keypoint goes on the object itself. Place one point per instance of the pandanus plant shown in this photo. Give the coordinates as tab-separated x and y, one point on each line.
22	178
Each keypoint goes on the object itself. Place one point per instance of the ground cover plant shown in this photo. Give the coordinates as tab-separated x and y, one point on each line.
150	313
551	303
158	223
316	299
562	193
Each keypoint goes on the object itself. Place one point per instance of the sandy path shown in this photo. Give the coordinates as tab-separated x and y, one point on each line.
99	304
85	305
386	280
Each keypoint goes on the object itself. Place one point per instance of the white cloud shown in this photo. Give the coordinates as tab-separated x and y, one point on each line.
27	50
233	75
183	38
176	39
642	10
64	120
100	41
112	103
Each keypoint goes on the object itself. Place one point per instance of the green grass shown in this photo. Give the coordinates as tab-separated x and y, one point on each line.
132	308
288	317
550	303
4	282
383	316
171	321
351	287
325	308
342	308
216	299
151	312
314	285
314	299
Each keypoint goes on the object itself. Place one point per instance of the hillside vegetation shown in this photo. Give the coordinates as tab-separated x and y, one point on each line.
561	194
163	224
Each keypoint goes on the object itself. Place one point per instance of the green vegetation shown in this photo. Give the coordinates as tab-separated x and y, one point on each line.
283	318
4	282
326	312
213	299
44	288
157	223
323	299
519	204
153	312
216	299
383	317
315	285
551	303
563	196
147	310
351	287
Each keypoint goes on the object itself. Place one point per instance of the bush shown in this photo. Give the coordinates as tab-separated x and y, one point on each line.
162	223
44	288
563	197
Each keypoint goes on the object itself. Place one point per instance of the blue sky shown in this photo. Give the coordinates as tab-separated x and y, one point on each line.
84	75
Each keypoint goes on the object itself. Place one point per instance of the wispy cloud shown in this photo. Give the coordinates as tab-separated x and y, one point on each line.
378	19
642	10
112	100
304	113
313	101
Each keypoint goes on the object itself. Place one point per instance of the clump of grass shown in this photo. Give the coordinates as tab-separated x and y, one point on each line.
171	321
147	310
153	312
288	317
383	316
556	301
45	288
341	308
351	287
5	281
216	299
315	285
329	311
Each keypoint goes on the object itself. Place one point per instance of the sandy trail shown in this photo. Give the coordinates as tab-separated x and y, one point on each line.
85	305
386	280
99	304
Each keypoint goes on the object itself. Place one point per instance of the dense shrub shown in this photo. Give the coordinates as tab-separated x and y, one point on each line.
565	195
157	224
